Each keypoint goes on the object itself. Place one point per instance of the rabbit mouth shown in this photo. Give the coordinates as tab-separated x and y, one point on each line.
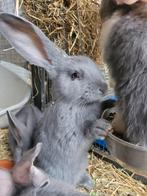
90	98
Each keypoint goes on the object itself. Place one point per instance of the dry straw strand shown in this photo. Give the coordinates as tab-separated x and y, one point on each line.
70	24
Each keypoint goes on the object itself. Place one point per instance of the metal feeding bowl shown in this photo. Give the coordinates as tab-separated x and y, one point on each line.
130	155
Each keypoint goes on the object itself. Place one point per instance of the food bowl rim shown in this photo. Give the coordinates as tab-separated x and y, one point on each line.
125	143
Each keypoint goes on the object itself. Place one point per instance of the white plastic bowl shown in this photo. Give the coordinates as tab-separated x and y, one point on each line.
14	91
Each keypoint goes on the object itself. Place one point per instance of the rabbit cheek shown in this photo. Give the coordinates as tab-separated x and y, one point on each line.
66	88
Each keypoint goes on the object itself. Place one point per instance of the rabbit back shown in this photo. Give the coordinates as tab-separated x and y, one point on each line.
125	53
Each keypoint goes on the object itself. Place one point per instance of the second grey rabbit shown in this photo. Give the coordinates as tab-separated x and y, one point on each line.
72	122
23	174
124	41
24	179
21	128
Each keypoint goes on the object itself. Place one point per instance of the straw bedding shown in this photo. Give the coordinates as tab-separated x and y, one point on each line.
112	181
4	147
72	24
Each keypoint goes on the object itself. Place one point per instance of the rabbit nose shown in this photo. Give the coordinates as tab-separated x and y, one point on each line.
103	87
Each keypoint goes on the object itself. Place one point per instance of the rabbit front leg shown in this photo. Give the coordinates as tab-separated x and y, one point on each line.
92	131
97	130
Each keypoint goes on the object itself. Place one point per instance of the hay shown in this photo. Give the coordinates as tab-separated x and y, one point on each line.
4	147
74	25
112	181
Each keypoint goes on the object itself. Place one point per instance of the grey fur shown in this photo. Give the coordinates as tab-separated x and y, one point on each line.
21	128
70	125
32	180
55	188
126	56
109	7
64	129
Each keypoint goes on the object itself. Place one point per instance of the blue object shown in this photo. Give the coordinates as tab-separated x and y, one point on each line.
110	97
101	144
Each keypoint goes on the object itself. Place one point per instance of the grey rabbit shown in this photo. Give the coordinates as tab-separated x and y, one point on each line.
72	121
25	179
123	42
21	128
23	174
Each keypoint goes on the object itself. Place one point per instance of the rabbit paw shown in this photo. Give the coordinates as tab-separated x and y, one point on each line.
100	128
86	182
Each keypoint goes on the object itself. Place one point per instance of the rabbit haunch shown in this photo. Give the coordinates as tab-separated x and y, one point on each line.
125	53
72	123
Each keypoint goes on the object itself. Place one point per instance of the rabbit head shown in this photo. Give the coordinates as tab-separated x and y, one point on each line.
74	78
79	81
25	174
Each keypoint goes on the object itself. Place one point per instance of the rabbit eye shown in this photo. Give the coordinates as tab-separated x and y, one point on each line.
75	75
101	90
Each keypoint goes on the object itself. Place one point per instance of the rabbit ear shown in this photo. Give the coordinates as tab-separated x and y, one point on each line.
39	178
30	41
15	128
21	172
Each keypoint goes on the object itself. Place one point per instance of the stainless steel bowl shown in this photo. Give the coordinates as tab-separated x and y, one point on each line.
130	155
